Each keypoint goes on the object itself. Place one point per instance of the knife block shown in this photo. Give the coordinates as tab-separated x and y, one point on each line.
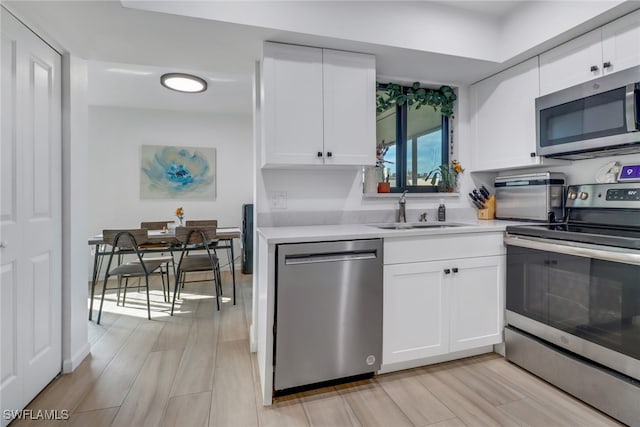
489	212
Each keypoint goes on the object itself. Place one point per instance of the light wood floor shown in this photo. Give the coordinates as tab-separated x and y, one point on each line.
195	369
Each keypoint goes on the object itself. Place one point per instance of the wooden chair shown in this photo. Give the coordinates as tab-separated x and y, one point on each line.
200	238
126	242
160	249
216	245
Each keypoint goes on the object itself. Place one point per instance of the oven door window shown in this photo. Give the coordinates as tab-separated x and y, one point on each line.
590	298
593	117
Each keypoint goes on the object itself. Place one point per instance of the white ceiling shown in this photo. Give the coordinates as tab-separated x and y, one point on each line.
495	8
129	49
138	86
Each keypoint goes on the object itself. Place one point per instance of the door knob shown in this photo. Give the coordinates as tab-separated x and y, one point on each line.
455	269
447	271
329	154
319	153
606	64
594	68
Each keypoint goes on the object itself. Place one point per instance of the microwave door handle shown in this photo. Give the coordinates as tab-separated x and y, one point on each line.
630	107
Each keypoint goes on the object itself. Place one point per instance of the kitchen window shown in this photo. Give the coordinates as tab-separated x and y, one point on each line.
414	142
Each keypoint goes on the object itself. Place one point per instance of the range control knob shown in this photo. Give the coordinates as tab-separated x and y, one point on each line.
583	195
572	195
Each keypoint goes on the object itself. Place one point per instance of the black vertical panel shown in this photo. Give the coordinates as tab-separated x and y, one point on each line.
247	239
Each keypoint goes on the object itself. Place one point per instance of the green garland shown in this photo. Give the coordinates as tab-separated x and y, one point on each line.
442	98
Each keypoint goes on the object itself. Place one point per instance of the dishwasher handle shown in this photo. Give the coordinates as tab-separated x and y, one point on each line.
298	259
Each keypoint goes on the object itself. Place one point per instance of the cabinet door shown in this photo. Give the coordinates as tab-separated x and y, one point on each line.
349	108
571	63
621	43
476	301
503	120
292	105
415	316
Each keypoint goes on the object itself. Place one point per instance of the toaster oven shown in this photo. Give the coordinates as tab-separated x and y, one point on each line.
532	197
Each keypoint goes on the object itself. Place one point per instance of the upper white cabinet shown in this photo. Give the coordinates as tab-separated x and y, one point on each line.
611	48
318	107
621	43
349	82
503	119
292	105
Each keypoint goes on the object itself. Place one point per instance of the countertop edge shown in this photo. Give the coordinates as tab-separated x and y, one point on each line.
317	233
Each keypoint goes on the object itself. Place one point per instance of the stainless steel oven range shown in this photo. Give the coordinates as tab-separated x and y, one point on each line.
573	298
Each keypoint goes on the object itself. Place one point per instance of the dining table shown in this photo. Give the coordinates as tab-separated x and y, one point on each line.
224	235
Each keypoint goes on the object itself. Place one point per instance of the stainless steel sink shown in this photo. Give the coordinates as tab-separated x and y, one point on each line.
412	226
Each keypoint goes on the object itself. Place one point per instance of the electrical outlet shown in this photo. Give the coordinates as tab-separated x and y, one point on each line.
278	200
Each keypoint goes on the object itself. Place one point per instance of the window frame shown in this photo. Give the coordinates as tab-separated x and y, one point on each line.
401	150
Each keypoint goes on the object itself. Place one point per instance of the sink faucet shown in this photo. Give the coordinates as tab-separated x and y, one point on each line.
402	214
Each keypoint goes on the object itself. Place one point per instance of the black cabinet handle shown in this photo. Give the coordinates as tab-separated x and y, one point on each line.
594	68
447	271
319	153
329	154
532	154
455	269
606	64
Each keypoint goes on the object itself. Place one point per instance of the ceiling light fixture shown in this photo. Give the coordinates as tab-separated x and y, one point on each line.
183	82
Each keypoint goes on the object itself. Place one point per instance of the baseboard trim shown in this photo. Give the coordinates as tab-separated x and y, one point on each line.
70	365
398	366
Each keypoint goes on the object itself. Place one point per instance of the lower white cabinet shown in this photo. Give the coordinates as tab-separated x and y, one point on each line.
437	307
476	303
415	323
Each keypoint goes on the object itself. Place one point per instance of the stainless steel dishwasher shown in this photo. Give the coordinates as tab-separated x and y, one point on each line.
328	314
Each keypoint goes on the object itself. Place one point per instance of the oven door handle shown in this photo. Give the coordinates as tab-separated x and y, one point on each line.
606	255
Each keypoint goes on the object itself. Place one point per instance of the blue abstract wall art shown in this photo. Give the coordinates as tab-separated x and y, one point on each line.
168	172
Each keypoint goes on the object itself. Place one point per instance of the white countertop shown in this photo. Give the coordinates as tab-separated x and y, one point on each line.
316	233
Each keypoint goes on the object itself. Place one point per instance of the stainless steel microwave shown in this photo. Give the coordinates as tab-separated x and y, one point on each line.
600	117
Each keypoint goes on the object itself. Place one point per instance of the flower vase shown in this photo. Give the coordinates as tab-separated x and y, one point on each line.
371	179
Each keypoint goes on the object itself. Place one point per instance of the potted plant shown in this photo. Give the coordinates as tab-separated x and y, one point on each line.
445	176
383	177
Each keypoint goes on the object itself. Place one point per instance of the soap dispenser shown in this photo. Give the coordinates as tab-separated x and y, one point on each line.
442	214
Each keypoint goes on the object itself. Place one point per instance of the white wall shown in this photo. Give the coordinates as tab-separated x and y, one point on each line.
584	171
425	26
75	209
521	30
115	137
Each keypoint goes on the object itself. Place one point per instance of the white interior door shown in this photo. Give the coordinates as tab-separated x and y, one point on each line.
30	215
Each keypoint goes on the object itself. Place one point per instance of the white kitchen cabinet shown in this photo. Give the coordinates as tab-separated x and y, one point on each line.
571	63
475	302
292	105
611	48
621	43
349	82
415	322
318	107
453	303
503	120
